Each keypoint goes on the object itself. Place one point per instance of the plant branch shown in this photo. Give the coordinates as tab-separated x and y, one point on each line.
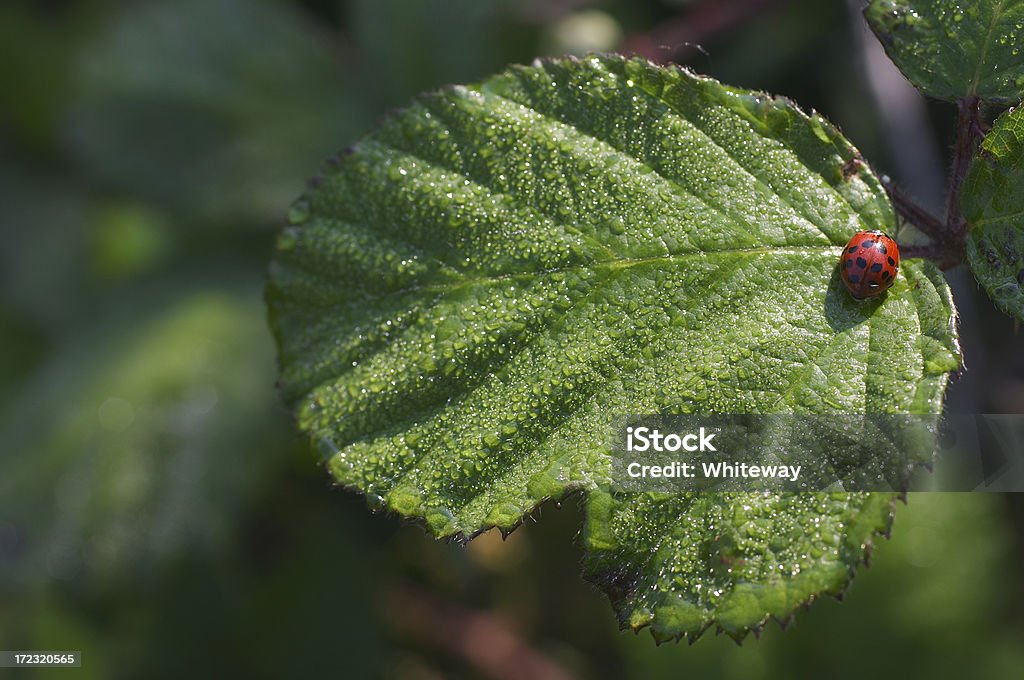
968	137
914	213
940	253
948	238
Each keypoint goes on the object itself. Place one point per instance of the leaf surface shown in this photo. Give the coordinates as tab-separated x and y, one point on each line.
993	204
950	49
467	296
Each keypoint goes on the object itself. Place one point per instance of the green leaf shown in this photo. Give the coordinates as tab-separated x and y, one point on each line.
682	563
223	130
993	204
46	41
950	49
131	448
468	296
44	267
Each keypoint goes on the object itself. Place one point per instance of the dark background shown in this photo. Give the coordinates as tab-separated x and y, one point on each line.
157	511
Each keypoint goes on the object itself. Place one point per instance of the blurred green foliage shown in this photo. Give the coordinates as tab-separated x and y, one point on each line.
157	511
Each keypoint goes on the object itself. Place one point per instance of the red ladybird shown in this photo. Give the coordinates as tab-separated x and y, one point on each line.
869	264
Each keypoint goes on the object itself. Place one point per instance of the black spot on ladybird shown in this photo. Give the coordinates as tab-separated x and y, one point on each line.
876	267
852	248
849	263
881	246
861	262
885	275
854	278
892	262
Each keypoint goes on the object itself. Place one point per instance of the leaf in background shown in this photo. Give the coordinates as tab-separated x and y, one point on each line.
215	108
45	229
135	446
950	49
23	345
474	291
30	105
993	203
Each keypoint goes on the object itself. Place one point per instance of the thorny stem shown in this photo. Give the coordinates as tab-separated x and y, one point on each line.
968	136
948	238
932	251
912	212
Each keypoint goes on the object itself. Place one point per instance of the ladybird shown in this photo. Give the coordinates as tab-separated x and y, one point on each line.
869	264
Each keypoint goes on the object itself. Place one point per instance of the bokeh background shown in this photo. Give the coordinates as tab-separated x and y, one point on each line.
157	511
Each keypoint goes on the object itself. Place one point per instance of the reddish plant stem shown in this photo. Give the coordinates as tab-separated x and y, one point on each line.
912	212
932	251
949	237
968	137
945	252
939	253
